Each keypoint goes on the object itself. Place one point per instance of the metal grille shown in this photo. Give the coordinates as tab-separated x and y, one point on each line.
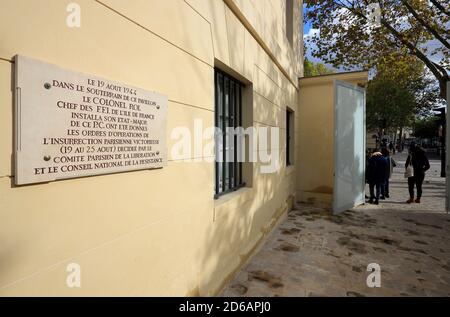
228	113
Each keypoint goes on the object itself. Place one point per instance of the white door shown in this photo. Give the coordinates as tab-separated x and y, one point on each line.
349	146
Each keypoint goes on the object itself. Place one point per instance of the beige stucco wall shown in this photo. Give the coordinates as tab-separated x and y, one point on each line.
315	137
151	232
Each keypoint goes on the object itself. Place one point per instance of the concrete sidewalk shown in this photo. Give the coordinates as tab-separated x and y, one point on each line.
314	253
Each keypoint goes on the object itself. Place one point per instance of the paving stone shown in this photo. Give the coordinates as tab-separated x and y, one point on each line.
314	253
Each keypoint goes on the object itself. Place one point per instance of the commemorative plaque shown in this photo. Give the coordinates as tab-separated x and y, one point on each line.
70	124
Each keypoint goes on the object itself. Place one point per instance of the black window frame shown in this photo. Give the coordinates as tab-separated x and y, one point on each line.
227	113
289	127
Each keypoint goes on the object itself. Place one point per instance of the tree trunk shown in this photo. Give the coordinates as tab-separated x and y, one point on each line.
400	140
443	86
395	140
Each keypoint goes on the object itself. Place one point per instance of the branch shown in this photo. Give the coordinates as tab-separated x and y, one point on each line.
440	7
426	25
442	69
440	75
439	72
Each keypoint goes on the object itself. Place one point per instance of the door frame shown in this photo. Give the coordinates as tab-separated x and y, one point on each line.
447	149
363	180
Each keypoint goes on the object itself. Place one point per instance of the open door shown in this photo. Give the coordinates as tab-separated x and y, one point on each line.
349	146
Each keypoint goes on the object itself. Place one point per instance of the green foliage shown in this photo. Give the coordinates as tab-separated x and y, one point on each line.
398	93
389	104
316	69
426	128
349	39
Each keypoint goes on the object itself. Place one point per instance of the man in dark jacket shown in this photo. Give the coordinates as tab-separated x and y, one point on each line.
376	175
420	164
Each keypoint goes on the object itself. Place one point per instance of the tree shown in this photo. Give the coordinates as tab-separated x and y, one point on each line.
408	71
426	127
349	37
399	92
315	69
390	105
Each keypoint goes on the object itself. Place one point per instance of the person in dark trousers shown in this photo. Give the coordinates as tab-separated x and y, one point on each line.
368	154
392	147
420	164
389	169
376	176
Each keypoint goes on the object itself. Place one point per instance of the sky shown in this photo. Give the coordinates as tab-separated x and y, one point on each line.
306	27
308	31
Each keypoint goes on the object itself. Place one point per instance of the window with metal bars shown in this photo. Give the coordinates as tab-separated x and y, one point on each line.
228	114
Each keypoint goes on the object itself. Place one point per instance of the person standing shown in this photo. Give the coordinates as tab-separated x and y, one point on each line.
376	176
368	155
392	147
419	161
390	164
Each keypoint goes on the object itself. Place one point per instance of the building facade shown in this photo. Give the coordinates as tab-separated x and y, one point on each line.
186	228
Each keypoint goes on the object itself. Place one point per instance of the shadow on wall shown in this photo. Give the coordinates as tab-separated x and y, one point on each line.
237	231
239	228
232	236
